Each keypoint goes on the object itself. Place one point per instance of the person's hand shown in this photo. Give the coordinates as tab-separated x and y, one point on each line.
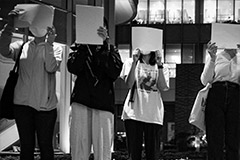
212	50
51	35
159	58
102	32
136	55
11	15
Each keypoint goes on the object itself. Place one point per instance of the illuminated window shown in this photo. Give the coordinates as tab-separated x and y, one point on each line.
189	11
225	10
173	12
188	53
156	13
172	57
209	11
173	53
141	16
237	11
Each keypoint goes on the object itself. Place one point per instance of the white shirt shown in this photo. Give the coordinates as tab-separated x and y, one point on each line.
223	69
36	86
148	105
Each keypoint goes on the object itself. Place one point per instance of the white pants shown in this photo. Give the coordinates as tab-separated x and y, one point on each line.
91	127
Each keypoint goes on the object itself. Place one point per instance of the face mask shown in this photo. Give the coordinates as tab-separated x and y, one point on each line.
38	32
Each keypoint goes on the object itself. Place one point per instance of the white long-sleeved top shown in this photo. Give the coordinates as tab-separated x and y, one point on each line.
223	69
36	86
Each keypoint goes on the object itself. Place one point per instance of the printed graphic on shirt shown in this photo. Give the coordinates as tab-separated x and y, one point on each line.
147	79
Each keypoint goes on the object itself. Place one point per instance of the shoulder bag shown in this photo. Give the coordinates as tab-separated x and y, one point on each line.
6	102
197	115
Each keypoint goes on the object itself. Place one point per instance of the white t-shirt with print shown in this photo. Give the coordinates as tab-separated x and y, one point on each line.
148	105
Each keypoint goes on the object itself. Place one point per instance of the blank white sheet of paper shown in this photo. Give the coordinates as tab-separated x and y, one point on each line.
147	39
88	20
225	35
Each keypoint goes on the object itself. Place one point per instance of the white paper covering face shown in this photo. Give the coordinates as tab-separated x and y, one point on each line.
34	15
88	20
225	35
147	39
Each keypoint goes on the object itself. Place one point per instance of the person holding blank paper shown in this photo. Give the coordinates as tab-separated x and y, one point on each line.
222	71
35	99
143	108
92	100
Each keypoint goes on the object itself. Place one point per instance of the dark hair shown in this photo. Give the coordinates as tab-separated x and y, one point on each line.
105	22
152	60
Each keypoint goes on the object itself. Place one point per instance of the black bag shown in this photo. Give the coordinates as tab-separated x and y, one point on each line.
6	102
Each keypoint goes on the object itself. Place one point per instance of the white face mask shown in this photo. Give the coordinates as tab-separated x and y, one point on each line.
38	32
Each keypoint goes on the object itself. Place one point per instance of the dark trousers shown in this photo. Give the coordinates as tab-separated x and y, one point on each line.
222	121
31	123
136	131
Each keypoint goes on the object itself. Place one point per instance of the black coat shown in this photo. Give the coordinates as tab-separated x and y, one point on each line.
96	68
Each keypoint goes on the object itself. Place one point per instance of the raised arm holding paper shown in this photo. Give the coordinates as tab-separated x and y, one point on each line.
143	109
37	17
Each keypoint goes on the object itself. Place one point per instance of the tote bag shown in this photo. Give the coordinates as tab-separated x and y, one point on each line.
6	102
197	115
